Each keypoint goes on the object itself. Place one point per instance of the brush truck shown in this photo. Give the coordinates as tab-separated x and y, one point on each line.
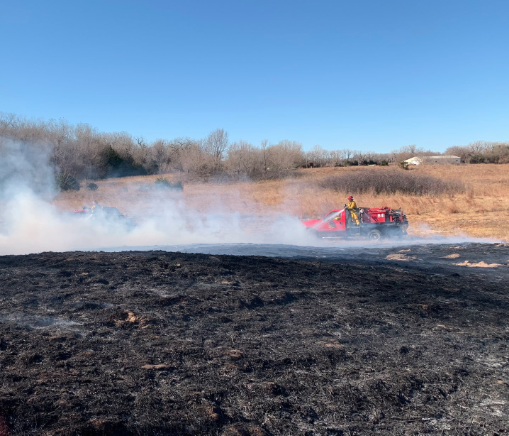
371	223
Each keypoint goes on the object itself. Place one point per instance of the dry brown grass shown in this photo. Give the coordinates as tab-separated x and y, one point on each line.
482	211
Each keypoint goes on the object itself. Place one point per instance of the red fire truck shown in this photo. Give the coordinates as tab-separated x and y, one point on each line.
371	223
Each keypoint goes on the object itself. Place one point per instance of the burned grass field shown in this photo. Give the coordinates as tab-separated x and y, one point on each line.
161	343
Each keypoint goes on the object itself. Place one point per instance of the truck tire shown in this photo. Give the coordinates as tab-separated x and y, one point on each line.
375	235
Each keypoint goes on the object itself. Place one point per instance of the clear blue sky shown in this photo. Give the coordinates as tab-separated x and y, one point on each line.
366	74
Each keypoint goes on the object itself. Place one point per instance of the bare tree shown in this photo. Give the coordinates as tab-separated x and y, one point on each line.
318	157
265	154
244	159
215	145
194	160
338	157
285	156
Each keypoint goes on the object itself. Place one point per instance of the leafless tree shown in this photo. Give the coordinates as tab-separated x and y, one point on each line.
244	159
285	156
194	160
318	157
264	146
215	145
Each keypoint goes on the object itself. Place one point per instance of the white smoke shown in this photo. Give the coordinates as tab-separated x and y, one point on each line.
30	223
25	167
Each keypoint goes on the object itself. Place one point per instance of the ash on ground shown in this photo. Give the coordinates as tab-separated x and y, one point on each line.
397	341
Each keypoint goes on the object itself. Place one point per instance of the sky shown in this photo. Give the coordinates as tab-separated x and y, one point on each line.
364	75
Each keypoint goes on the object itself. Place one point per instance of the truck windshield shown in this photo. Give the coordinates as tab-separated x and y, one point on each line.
332	215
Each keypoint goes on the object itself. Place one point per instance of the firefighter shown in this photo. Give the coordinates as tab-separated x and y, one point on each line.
352	208
95	207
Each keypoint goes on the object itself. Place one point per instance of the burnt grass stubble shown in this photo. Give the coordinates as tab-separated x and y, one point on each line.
158	343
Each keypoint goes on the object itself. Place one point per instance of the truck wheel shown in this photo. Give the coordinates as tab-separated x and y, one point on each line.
375	235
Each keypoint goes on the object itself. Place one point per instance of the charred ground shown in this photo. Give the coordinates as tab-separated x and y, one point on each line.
173	343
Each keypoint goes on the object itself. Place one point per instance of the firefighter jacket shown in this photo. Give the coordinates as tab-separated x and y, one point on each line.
352	205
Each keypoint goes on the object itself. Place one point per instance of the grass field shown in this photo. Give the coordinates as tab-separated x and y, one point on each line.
481	211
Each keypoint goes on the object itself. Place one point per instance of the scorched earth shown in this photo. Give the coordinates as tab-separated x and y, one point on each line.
407	340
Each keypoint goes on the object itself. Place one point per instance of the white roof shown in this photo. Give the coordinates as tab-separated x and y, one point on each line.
443	157
414	159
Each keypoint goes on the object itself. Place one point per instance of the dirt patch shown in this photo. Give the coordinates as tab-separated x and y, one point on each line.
452	256
481	264
188	344
401	257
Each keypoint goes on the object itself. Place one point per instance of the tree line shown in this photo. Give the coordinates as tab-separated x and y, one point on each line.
481	152
82	152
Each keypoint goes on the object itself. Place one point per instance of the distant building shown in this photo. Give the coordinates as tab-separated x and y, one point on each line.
413	161
442	160
434	160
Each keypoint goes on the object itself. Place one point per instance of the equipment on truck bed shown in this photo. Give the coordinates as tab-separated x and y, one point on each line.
373	223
